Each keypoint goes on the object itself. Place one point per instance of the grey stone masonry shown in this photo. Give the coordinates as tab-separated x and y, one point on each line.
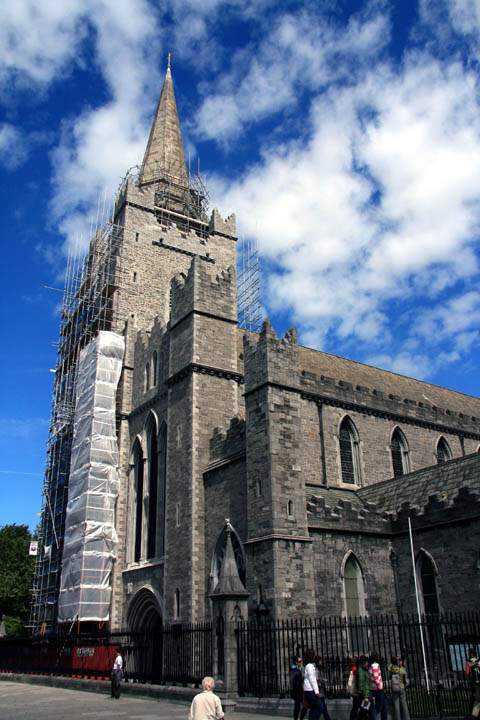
277	519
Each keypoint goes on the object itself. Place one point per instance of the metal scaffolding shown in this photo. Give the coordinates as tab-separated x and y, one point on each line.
250	313
184	203
90	304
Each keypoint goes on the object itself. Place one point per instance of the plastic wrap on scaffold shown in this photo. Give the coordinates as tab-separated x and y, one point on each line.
90	539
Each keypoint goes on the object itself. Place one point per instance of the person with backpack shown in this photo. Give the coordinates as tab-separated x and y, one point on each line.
398	684
296	685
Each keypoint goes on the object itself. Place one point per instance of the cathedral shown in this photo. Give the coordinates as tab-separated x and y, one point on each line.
205	438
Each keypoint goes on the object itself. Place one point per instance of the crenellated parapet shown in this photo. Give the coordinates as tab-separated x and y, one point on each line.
280	362
229	442
439	509
428	490
430	497
269	359
221	226
203	290
335	391
332	509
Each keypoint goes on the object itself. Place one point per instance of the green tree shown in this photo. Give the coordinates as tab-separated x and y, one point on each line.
16	576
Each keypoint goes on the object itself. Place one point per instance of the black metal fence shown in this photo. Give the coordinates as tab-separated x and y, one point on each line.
177	654
183	653
265	650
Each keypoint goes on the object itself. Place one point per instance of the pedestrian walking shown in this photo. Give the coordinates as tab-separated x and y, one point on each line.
398	683
296	685
352	689
311	691
378	692
366	704
206	705
117	674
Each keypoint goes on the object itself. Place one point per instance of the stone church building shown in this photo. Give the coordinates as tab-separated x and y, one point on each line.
317	461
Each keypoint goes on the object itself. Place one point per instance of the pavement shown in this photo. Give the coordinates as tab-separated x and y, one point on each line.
20	701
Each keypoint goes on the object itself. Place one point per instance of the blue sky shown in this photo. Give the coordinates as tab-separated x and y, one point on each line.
345	135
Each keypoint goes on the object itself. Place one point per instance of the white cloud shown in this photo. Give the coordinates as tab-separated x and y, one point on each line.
456	321
40	42
13	146
463	16
381	204
100	145
37	39
299	51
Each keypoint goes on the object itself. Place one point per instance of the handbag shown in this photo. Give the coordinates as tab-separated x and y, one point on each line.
306	704
364	709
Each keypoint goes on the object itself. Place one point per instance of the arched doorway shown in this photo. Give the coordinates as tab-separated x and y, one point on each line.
144	619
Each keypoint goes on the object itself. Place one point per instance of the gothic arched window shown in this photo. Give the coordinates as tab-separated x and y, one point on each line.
353	588
354	598
147	377
399	447
349	452
154	368
152	450
443	451
138	499
427	576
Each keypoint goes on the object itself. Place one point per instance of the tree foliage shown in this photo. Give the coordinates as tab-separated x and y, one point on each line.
16	575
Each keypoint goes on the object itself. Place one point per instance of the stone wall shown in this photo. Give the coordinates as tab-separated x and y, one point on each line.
372	552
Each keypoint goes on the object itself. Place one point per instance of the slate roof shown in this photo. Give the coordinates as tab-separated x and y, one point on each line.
437	487
357	373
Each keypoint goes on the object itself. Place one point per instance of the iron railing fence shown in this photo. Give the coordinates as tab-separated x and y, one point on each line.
183	653
265	651
180	653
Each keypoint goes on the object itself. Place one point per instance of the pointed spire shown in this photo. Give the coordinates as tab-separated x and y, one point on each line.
164	155
229	582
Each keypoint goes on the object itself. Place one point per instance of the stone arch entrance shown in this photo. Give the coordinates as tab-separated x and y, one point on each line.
144	612
144	620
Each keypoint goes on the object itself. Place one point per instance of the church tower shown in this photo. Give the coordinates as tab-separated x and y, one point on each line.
179	379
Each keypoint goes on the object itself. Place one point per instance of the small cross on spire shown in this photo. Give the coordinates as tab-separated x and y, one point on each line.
169	60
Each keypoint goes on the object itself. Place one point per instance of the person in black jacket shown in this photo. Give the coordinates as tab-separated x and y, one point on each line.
296	685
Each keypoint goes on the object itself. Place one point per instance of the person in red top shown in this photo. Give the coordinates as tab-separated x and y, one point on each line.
376	684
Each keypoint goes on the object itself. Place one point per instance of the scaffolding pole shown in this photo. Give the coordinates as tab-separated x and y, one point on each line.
249	287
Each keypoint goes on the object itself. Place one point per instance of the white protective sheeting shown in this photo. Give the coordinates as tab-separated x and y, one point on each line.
90	539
